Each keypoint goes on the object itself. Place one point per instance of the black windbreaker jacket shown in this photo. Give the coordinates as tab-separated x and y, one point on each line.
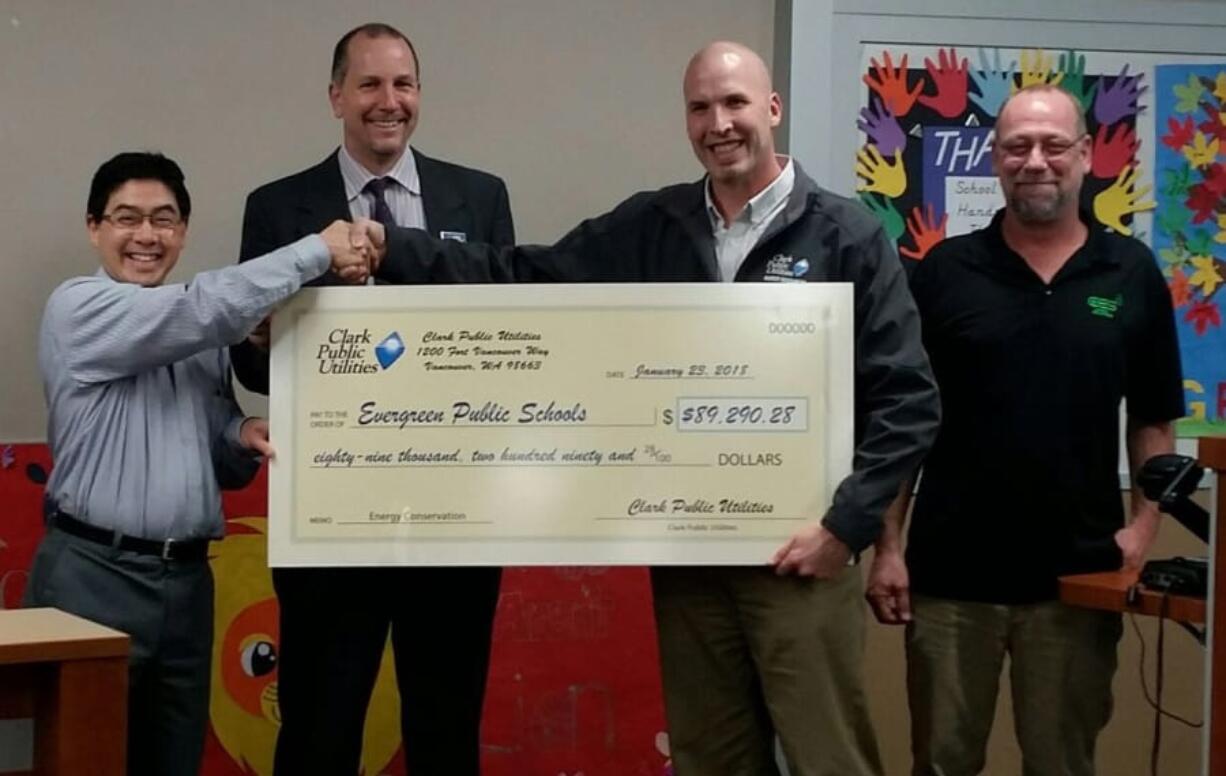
665	236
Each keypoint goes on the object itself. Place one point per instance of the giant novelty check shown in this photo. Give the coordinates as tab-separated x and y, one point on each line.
556	424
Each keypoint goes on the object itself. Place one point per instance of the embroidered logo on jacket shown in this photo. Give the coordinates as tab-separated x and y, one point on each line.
1104	307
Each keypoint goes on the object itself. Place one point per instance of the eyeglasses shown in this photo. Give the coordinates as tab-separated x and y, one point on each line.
131	220
1051	148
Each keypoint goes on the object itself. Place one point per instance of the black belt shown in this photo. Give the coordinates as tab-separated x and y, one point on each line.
168	549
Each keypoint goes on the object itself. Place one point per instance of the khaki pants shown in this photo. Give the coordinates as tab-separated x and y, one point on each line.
746	655
1061	662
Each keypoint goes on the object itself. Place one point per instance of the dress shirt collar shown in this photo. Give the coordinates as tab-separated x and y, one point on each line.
764	202
404	172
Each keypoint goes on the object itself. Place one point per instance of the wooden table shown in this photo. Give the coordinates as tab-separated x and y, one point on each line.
71	675
1109	590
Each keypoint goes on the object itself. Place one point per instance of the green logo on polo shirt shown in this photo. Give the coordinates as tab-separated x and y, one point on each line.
1104	307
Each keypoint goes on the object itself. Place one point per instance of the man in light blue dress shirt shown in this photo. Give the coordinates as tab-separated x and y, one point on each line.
144	431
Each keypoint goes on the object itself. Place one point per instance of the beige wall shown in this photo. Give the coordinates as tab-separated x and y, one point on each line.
576	103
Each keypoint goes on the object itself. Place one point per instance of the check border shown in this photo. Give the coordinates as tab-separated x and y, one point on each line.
287	549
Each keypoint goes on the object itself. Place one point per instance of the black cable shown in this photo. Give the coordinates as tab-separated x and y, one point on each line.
1194	632
1132	618
1157	744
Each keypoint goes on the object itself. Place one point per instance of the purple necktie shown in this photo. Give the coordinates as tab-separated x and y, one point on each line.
381	212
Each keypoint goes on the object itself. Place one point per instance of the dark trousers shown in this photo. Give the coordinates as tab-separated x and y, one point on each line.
166	607
334	625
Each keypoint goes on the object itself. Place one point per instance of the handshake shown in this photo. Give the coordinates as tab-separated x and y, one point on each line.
356	248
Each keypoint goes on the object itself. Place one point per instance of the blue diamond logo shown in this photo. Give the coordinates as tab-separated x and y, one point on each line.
800	268
390	349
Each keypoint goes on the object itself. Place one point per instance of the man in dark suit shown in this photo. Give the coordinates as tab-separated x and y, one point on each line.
335	621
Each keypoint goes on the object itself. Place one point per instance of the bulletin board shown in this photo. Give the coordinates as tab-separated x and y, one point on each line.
1158	129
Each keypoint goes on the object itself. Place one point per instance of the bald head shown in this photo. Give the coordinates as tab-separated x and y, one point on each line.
1054	100
730	114
727	56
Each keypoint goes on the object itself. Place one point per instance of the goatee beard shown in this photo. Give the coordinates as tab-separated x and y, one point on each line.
1038	211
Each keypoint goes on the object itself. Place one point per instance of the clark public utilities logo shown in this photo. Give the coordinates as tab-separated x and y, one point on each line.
784	268
348	351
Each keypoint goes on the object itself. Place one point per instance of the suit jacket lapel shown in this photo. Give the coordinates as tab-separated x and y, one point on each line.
323	196
322	200
439	199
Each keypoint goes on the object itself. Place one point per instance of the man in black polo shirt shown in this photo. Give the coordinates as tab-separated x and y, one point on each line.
1037	327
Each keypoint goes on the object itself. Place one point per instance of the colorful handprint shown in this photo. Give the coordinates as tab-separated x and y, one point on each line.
885	211
925	231
1073	67
1113	151
888	178
1036	69
882	128
993	83
1121	199
949	78
1119	100
891	84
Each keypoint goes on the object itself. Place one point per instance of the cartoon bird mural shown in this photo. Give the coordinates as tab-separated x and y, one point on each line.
23	473
243	703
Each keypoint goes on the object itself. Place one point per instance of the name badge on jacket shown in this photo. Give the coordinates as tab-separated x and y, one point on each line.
784	268
457	236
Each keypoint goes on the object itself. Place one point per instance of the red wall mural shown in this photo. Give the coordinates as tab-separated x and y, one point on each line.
574	683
